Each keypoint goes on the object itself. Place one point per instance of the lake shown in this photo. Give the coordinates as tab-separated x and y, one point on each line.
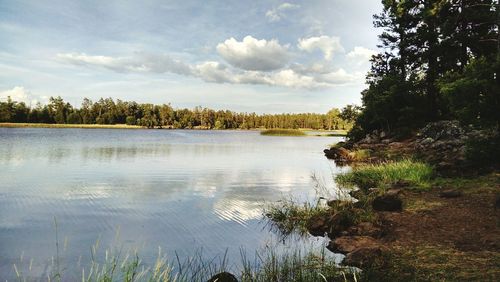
181	190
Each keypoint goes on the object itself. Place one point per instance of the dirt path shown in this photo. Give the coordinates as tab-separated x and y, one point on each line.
446	239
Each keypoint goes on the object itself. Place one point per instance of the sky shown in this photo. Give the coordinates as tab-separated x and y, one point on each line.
262	56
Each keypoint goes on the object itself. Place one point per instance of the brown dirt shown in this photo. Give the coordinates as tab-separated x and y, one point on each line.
467	223
439	239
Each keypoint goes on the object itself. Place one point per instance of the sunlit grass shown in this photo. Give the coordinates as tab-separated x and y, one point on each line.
54	125
283	132
266	265
417	174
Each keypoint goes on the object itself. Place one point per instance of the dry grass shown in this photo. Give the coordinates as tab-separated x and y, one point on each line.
50	125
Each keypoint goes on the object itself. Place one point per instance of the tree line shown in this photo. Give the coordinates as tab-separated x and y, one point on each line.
440	60
107	111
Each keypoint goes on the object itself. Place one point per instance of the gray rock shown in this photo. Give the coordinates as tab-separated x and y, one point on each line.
223	277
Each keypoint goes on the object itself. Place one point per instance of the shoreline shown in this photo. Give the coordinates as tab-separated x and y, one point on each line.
417	209
327	133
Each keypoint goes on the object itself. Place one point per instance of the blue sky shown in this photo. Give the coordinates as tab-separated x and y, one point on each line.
255	56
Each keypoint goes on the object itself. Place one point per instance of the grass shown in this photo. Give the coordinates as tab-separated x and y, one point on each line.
332	133
435	263
267	265
416	174
52	125
288	216
294	266
283	132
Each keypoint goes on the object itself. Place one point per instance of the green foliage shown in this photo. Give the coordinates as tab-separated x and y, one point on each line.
283	132
439	61
107	111
484	150
382	175
130	120
74	118
473	95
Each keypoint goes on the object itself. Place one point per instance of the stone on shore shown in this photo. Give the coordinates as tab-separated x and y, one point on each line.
348	244
223	277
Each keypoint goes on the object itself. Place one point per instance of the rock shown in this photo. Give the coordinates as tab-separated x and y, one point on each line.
340	222
365	229
401	184
445	129
387	202
338	154
317	225
393	192
365	257
450	194
223	277
335	203
347	244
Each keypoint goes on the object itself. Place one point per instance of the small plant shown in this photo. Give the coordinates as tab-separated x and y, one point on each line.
288	216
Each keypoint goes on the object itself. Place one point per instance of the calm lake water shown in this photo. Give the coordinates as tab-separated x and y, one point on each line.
182	190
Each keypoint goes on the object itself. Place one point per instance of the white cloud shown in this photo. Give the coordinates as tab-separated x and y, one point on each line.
254	54
213	72
258	62
361	54
328	45
141	62
278	13
19	94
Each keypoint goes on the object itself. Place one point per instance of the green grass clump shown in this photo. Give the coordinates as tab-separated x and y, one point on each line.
383	175
288	216
283	132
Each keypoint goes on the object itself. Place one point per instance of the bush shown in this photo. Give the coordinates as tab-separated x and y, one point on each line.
484	150
131	120
74	118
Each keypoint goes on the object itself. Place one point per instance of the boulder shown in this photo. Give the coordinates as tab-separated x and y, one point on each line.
387	202
348	244
365	229
450	193
340	222
317	225
338	154
223	277
365	256
445	129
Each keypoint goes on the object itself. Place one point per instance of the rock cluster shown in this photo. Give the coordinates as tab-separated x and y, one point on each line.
359	241
443	143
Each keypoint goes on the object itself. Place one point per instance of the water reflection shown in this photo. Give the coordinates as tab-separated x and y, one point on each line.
181	190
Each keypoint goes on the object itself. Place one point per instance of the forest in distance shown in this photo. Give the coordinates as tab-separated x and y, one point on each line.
108	112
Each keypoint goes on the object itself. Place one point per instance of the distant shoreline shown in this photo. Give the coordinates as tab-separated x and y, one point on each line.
125	126
56	125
